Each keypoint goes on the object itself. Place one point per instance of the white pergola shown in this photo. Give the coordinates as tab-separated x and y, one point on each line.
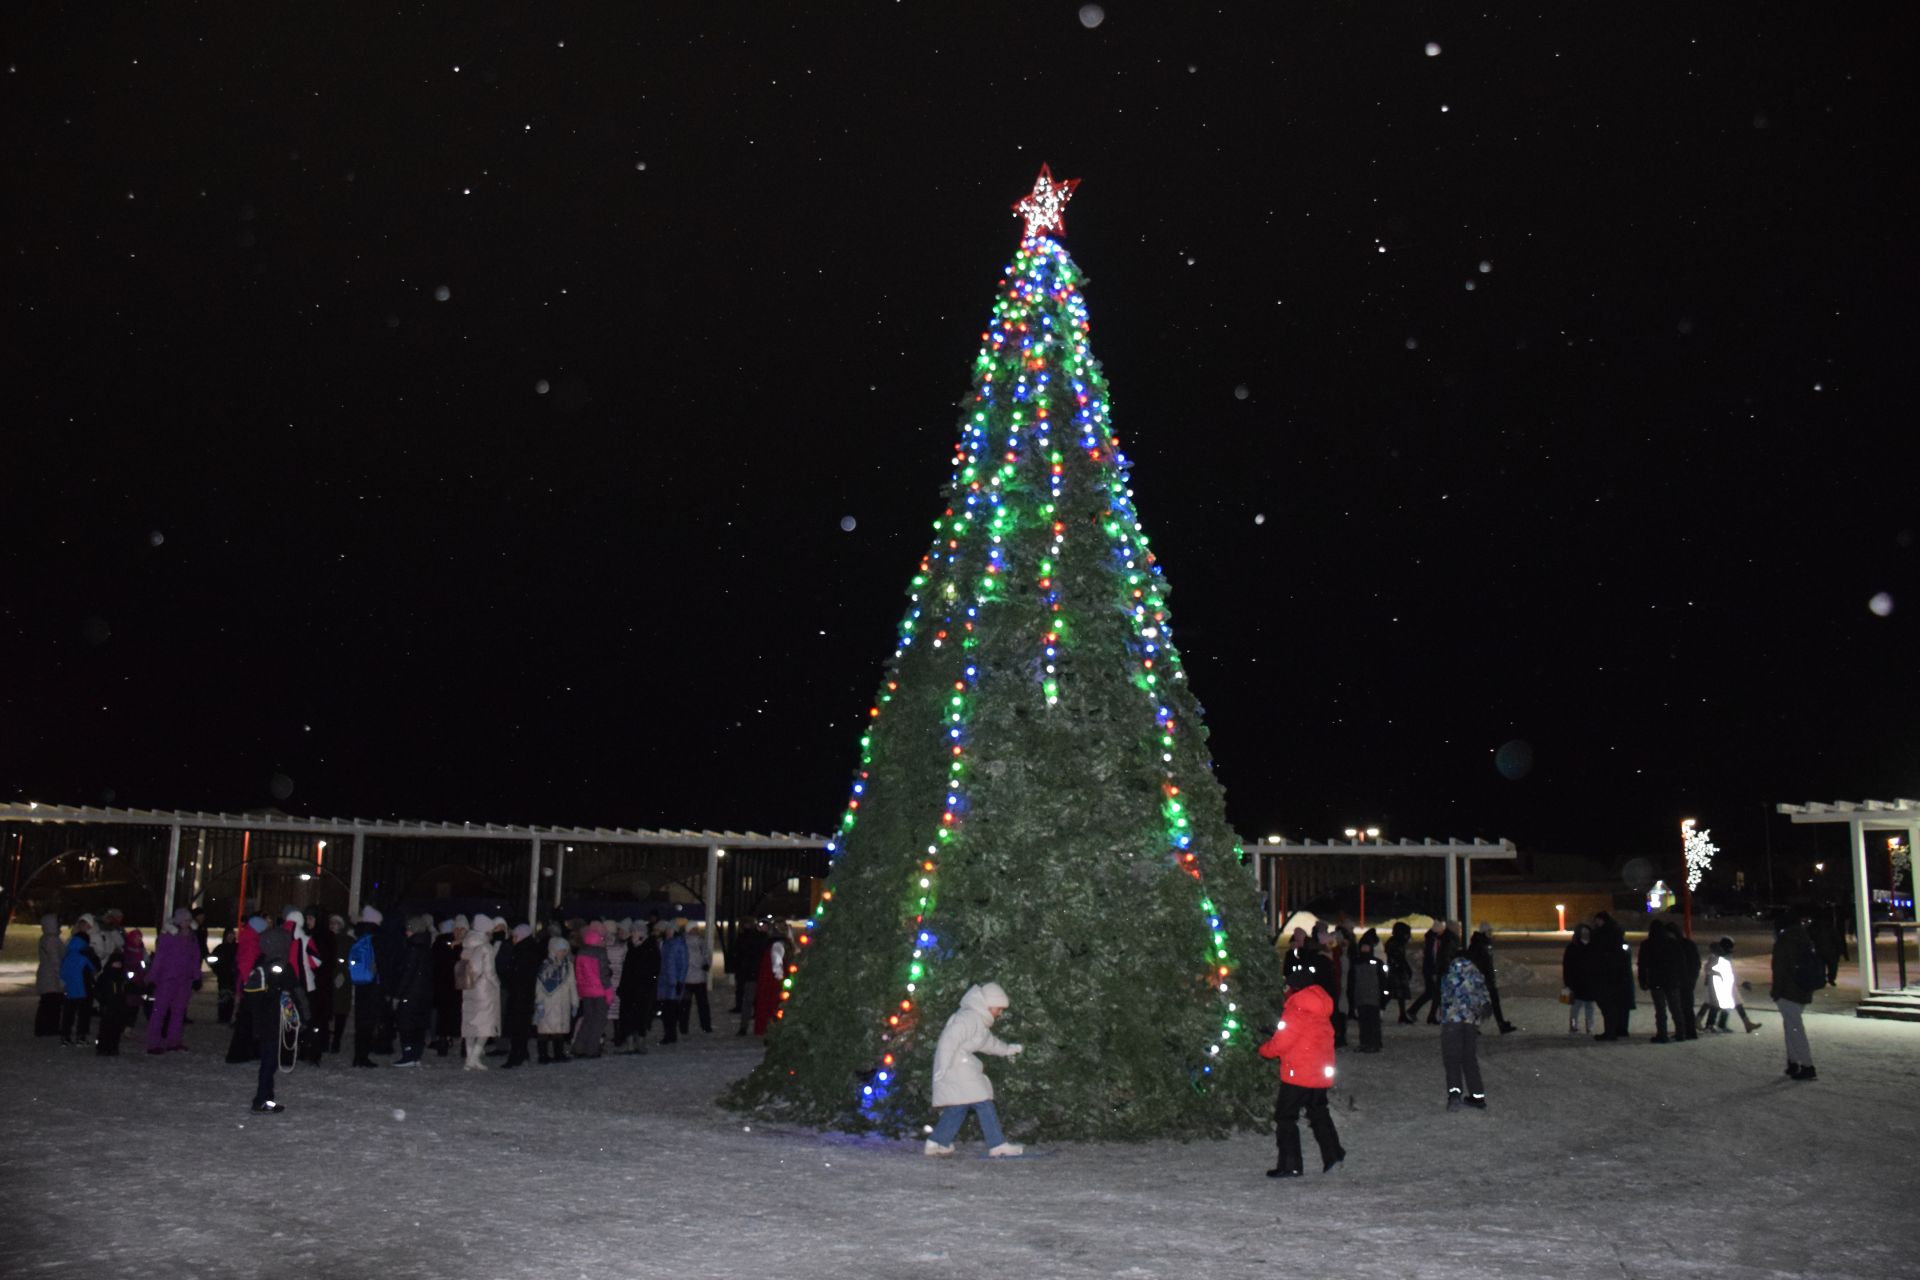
716	842
1862	816
1458	853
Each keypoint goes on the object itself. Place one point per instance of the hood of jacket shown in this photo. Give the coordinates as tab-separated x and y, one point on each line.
1308	1001
50	925
984	996
592	937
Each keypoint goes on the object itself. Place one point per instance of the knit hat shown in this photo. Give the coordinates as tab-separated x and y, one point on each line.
482	923
557	947
521	932
257	923
183	920
294	914
461	922
446	926
1298	978
370	914
336	922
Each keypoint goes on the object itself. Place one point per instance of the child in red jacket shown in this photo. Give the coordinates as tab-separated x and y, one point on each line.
1303	1043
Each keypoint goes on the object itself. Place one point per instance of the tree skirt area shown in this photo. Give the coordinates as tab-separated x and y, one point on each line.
1595	1159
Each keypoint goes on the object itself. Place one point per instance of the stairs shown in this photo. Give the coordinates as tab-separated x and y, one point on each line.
1897	1006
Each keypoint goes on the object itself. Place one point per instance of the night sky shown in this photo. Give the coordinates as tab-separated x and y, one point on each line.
452	413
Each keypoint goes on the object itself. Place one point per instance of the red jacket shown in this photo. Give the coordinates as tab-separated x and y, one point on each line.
1304	1040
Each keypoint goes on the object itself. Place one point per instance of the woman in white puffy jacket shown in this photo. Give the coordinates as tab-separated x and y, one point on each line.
960	1083
480	1002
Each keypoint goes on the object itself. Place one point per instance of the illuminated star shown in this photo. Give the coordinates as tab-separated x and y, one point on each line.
1044	205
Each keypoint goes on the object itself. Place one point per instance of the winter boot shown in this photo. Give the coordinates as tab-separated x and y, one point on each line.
1288	1163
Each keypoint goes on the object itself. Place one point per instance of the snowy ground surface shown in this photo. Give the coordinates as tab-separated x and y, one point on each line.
1595	1160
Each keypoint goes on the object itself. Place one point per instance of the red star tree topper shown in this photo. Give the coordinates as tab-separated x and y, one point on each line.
1044	207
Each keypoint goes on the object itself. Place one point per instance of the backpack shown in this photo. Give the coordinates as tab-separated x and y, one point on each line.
360	965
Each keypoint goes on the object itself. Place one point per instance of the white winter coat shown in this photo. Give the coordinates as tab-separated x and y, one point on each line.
1720	972
553	1010
699	956
480	1003
958	1077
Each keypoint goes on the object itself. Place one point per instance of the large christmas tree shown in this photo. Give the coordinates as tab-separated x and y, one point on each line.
1035	804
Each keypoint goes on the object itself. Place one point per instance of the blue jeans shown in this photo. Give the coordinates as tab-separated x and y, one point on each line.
947	1128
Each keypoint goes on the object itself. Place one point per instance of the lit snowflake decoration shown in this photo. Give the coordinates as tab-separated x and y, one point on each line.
1699	851
1044	207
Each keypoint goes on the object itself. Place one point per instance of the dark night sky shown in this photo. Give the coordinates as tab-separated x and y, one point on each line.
274	514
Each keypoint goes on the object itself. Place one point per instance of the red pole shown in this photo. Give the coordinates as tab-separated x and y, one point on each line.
246	843
1363	904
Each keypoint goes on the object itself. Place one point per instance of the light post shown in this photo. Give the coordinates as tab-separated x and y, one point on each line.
1360	835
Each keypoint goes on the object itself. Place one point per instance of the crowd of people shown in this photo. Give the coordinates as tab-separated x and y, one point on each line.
1332	977
289	989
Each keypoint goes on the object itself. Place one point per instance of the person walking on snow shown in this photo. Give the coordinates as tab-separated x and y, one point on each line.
1463	1002
1303	1043
1725	991
960	1082
176	967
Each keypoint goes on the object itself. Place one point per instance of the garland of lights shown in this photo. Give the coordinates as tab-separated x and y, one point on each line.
1018	353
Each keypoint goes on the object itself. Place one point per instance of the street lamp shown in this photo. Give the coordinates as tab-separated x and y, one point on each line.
1363	834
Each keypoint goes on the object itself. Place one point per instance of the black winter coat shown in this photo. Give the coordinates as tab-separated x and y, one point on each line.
1576	971
1399	970
1612	964
411	988
1660	965
1797	968
640	976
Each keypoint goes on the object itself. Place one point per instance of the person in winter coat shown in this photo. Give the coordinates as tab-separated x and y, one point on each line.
221	961
243	1045
369	998
133	951
672	986
699	973
1303	1044
960	1083
46	978
1725	990
446	994
1463	1002
479	984
1830	940
769	985
118	1001
410	990
639	990
1480	951
751	958
1577	978
1436	954
1798	972
1365	986
275	988
176	968
1330	943
556	1001
521	959
1613	977
110	935
1689	952
78	970
1400	968
620	941
1660	978
324	945
590	982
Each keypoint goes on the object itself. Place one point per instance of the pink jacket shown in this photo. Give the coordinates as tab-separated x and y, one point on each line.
590	966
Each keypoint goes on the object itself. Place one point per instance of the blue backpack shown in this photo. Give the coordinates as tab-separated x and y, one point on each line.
360	966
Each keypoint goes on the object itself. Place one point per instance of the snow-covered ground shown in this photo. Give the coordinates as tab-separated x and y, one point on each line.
1594	1160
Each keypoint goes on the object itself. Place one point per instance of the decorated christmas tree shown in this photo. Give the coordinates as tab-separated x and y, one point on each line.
1034	803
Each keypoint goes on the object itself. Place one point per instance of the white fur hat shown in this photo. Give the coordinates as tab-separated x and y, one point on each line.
370	914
